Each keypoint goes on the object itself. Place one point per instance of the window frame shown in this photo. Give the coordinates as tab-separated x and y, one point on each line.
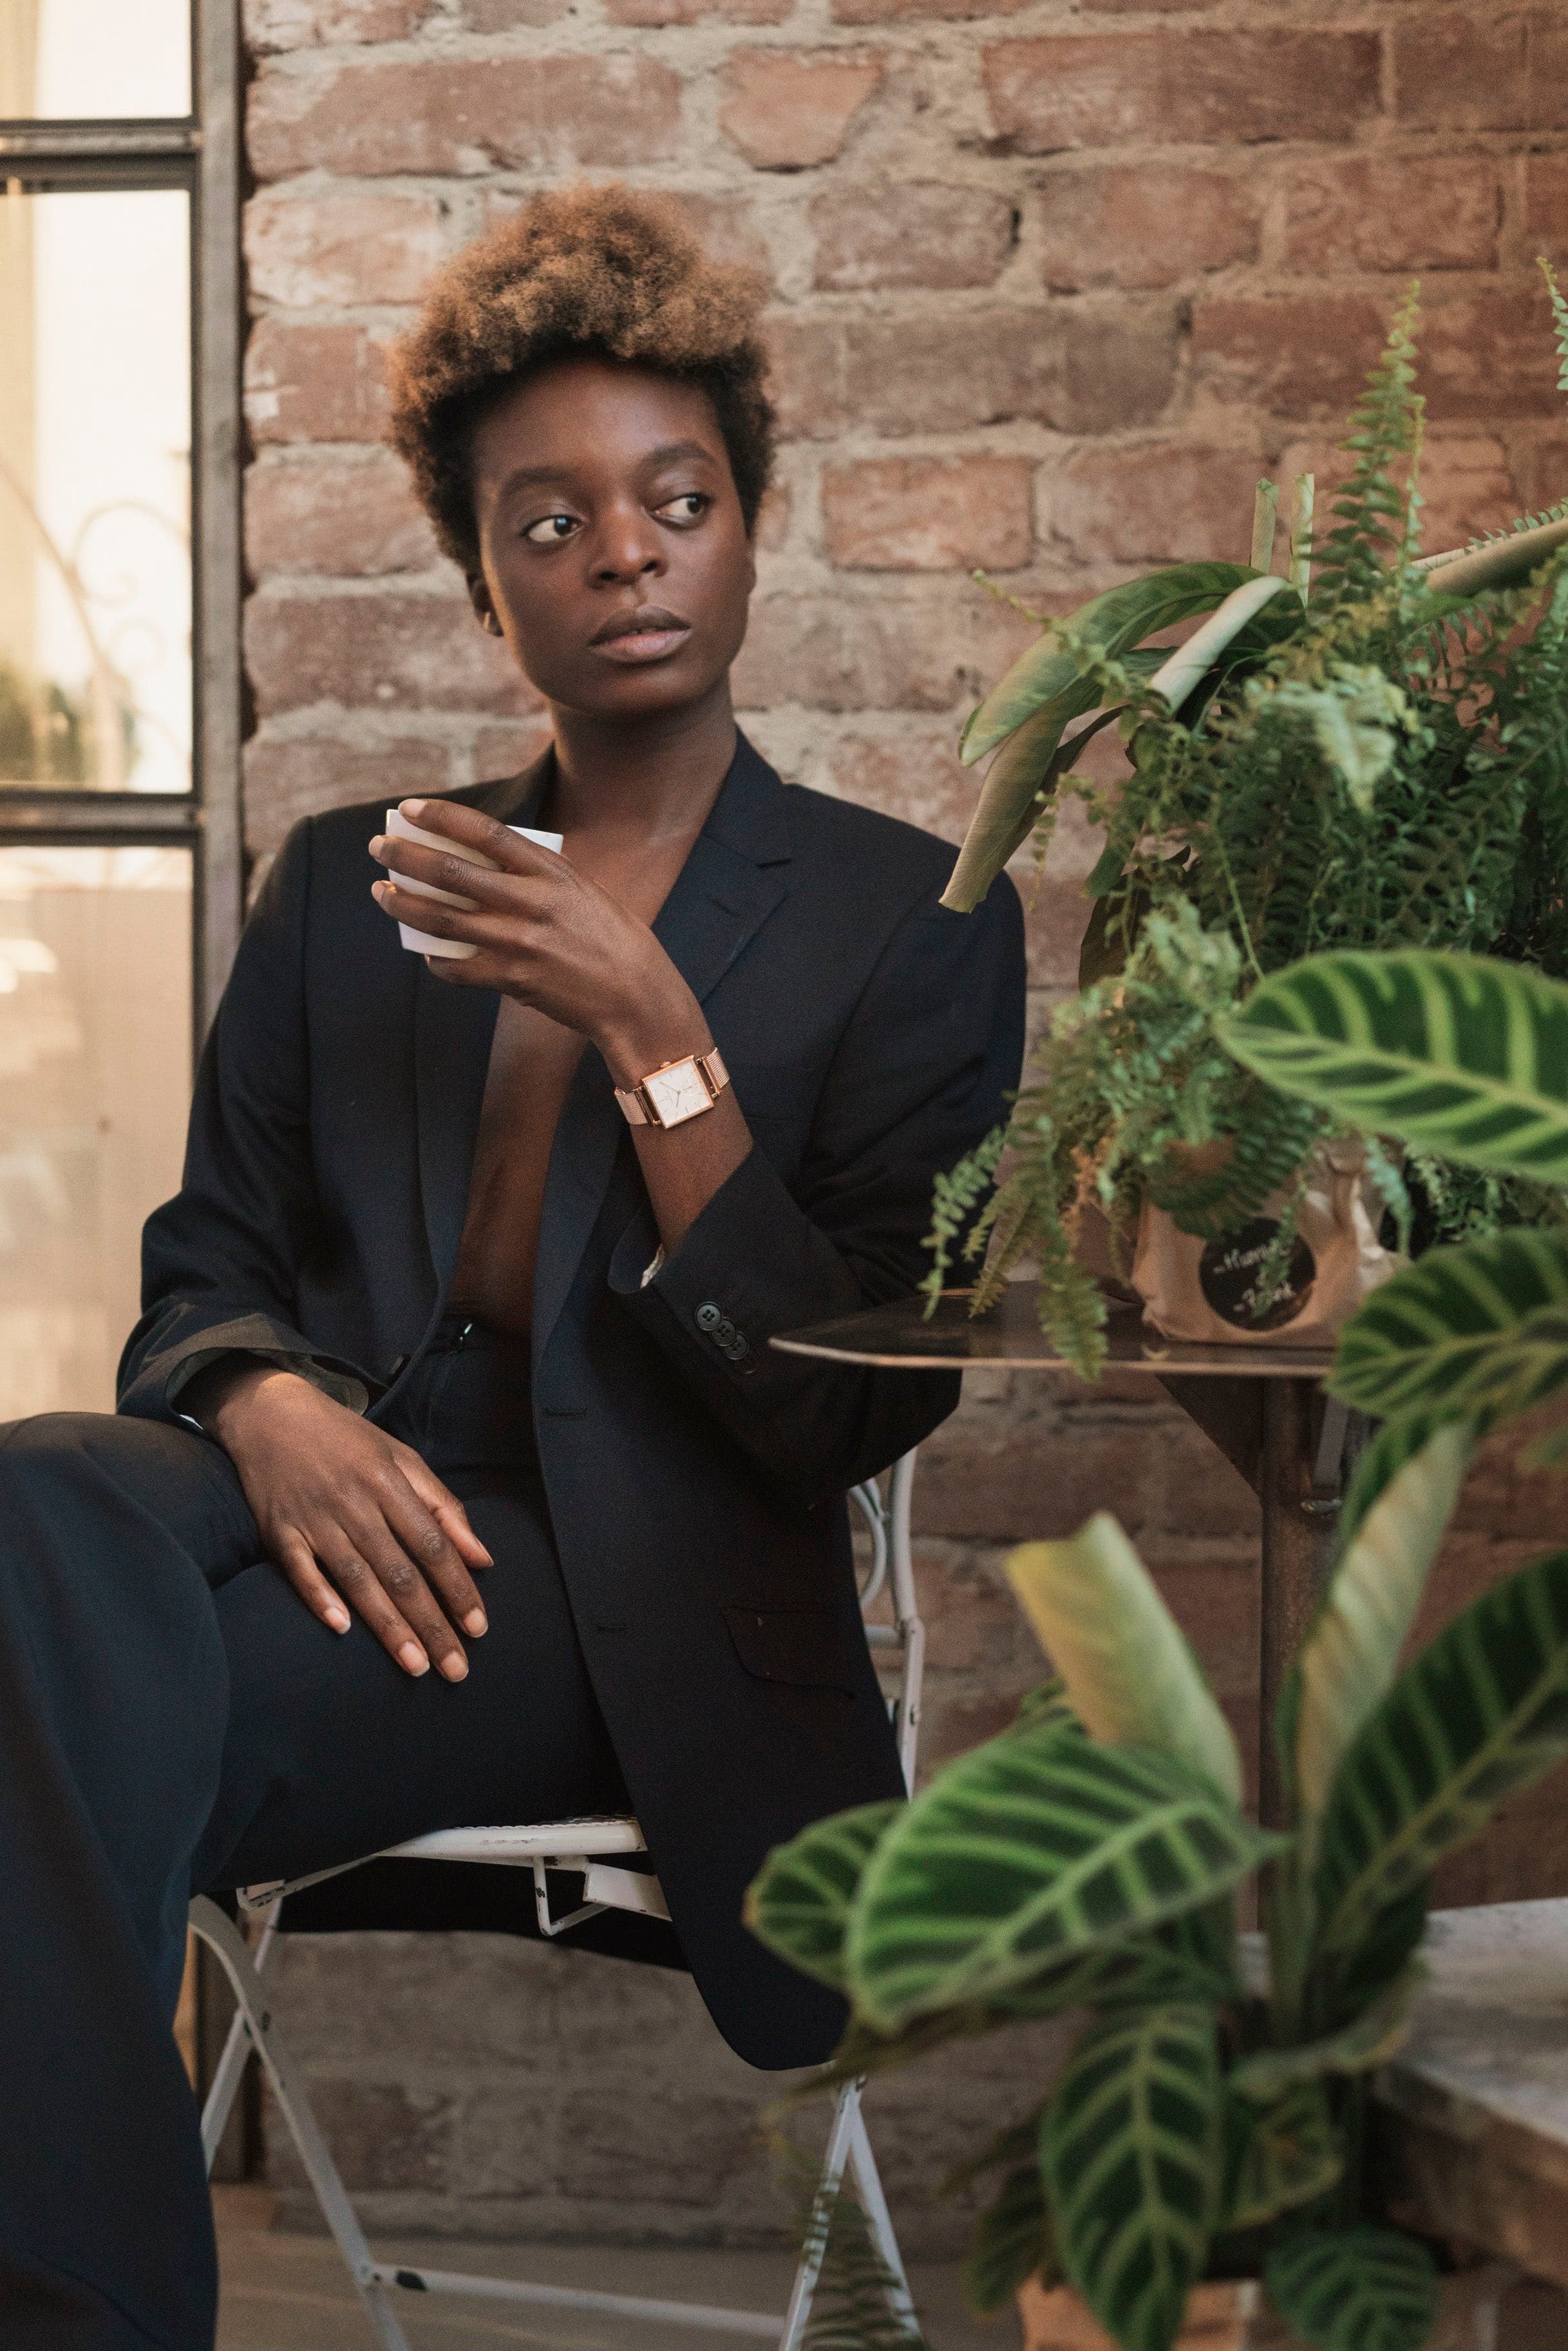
199	152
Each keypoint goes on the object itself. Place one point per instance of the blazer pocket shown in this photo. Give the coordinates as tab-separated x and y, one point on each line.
806	1646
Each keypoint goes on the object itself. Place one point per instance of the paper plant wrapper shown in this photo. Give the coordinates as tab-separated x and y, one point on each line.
1234	2316
425	942
1202	1290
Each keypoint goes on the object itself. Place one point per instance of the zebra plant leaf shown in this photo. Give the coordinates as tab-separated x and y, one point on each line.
1012	2243
1369	2039
1461	1054
1131	2150
798	1904
1361	2289
1351	1654
1028	1854
1482	1711
1277	2157
1396	1442
1478	1330
1132	1679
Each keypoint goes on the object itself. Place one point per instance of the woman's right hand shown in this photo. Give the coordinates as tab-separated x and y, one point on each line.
349	1514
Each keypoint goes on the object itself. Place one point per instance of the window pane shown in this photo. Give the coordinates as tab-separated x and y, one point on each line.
85	57
95	1070
95	490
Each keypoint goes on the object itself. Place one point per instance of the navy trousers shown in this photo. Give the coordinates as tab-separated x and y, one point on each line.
173	1718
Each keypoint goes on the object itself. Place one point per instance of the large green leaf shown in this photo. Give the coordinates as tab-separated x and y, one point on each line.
1123	617
1369	2039
1361	2289
1476	1331
1017	787
1277	2157
1131	2151
1129	1672
1011	2242
1352	1653
1176	678
1395	1443
798	1904
1028	1854
1461	1054
1482	1711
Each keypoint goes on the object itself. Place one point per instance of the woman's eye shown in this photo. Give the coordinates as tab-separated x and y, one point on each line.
550	529
690	506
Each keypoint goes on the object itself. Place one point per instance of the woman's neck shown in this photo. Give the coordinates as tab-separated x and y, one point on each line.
651	778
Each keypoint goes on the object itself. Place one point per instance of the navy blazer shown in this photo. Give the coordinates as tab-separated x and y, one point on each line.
696	1487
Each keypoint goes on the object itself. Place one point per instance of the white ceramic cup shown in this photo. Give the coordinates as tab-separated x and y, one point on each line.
424	942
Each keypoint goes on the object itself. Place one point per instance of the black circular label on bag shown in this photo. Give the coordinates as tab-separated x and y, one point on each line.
1228	1275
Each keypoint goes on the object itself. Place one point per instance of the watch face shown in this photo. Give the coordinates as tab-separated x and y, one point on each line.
677	1094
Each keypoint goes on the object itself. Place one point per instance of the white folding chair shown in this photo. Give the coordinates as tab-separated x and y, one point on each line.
585	1849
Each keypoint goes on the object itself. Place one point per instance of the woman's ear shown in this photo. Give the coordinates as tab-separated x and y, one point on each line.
484	610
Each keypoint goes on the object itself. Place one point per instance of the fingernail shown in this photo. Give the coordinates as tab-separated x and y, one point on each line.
413	1658
377	842
338	1619
485	1560
413	810
475	1622
455	1666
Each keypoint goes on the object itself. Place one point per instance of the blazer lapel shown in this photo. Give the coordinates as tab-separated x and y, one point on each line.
453	1028
735	876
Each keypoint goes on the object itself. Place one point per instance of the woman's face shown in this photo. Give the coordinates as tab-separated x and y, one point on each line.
615	558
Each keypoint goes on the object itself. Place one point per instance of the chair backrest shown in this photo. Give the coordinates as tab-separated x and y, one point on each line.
887	1518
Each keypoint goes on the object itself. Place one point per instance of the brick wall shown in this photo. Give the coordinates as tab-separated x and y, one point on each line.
1056	280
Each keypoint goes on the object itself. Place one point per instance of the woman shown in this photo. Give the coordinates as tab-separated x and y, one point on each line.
454	1479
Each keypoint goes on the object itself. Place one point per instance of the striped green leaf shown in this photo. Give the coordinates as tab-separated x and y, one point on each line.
1123	617
1369	2039
798	1904
1477	1331
1129	1673
1131	2150
1482	1711
1351	1654
1395	1443
1017	789
1279	2157
1030	1854
1361	2289
1011	2242
1459	1054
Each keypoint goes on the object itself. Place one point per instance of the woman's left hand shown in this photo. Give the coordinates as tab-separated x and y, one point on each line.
545	934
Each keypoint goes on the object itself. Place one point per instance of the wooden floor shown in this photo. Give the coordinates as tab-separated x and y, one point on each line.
286	2293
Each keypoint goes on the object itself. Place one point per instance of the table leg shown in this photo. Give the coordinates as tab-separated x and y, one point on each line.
1298	1551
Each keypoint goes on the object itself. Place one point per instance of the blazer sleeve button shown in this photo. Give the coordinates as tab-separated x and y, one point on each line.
708	1315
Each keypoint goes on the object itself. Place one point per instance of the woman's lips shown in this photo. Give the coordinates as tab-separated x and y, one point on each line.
642	645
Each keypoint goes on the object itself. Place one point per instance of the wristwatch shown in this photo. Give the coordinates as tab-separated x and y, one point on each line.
679	1090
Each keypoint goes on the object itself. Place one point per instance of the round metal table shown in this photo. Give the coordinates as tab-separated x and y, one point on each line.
1262	1405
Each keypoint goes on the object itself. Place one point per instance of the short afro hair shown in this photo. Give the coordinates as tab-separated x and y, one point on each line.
590	271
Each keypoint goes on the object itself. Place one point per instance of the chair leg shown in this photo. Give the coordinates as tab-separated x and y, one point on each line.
224	2085
217	1932
849	2144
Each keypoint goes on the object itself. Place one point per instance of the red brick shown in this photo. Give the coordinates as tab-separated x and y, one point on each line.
1024	1487
786	109
1164	502
1540	467
378	652
1101	89
305	515
727	228
512	16
952	1723
895	12
917	777
271	26
288	780
506	750
528	114
1546	202
315	383
917	234
1076	371
1144	225
1487	353
1462	69
773	518
1467	488
1412	212
929	514
836	653
697	12
1292	355
353	244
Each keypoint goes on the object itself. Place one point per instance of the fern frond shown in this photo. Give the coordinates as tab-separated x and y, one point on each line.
1372	517
860	2305
1559	319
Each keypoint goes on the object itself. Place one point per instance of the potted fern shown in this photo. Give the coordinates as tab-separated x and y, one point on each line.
1210	2121
1359	750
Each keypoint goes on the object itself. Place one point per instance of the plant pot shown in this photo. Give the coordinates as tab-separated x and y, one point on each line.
1204	1290
1232	2316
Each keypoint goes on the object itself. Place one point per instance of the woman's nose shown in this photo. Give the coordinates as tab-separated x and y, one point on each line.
627	549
